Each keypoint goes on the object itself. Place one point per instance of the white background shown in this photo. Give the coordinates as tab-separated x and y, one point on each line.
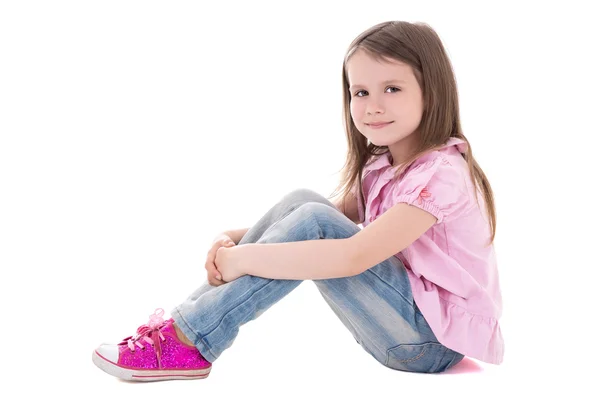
132	132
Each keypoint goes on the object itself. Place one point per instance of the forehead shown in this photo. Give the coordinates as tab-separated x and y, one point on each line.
364	69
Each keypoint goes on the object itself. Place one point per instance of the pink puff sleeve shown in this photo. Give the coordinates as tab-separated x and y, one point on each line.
436	186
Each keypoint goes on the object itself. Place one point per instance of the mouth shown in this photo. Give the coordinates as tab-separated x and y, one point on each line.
377	125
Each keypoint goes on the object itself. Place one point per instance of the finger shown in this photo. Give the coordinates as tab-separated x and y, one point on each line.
208	265
216	282
213	250
211	255
218	276
212	270
212	278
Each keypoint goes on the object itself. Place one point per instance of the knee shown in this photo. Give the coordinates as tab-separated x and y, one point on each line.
302	195
314	208
331	222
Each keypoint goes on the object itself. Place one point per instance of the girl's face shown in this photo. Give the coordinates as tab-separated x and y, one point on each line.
386	101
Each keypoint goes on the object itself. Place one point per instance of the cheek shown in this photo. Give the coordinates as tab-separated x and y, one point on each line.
411	110
356	110
418	107
414	113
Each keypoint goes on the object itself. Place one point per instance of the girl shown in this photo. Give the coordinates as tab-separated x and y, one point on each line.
417	287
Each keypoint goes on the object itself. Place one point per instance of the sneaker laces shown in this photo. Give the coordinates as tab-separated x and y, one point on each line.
150	334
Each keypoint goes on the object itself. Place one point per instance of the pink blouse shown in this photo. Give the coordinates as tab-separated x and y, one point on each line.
452	269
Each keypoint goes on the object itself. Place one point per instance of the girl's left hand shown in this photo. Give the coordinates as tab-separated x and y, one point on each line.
228	263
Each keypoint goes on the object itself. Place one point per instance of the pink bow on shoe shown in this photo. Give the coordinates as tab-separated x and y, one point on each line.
149	333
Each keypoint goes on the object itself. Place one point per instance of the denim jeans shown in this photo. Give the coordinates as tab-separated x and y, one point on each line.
376	306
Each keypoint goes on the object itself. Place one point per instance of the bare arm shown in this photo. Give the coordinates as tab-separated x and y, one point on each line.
307	259
236	234
391	233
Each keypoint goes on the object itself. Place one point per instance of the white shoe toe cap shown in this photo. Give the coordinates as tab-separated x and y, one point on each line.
109	351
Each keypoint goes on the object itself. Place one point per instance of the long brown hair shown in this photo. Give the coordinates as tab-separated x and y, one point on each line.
419	46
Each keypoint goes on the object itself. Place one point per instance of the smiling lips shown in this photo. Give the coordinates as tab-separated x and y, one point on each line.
378	125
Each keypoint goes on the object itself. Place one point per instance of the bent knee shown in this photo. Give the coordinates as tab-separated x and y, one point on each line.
317	208
303	195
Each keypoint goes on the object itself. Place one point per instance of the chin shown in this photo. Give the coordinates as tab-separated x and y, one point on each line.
382	142
391	141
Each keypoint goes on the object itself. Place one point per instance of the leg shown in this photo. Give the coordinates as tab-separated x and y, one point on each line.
197	311
157	351
284	207
377	306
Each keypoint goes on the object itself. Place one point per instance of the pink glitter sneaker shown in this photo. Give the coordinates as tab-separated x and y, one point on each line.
155	353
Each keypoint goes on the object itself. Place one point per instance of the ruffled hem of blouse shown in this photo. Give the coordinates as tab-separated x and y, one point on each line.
472	335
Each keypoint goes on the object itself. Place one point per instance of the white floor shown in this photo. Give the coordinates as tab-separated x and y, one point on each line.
295	350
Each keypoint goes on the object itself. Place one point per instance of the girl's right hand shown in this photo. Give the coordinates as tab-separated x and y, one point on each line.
213	275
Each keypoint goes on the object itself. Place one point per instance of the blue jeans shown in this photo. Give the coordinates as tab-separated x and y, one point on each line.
376	306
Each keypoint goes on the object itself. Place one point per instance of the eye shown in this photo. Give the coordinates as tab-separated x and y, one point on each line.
394	89
359	93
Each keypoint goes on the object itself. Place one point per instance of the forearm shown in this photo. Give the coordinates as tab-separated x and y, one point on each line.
304	260
236	234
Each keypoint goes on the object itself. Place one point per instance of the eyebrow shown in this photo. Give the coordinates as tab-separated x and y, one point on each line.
384	82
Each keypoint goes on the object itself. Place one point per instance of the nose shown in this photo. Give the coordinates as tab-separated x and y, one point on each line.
374	106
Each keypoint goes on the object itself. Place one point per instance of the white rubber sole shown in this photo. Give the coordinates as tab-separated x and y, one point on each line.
131	374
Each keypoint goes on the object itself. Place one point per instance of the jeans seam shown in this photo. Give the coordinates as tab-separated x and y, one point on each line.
281	218
238	305
198	336
201	337
396	290
415	358
345	316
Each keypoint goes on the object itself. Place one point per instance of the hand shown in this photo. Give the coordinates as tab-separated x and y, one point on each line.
213	275
228	263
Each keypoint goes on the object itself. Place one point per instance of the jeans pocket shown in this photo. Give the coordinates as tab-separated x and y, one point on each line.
425	357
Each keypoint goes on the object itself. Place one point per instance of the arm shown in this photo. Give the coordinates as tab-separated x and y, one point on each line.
236	234
389	234
308	259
